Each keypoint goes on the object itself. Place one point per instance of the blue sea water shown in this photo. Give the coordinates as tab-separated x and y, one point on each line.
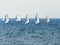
18	33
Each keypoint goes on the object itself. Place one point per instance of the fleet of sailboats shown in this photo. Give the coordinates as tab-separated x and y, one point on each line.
37	21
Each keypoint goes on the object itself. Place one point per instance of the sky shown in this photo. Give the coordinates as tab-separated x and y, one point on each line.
30	7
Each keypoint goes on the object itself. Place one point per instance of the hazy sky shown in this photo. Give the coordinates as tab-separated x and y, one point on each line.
30	7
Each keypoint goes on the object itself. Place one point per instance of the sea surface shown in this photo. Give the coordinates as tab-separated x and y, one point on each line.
19	33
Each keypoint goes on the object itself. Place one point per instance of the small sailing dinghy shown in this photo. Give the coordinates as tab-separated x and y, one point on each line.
27	20
47	19
18	18
2	19
37	19
6	20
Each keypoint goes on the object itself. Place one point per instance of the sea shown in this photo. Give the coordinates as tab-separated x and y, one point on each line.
19	33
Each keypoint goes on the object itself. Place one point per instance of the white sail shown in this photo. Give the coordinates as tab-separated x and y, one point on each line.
47	19
37	19
18	18
6	19
2	19
27	20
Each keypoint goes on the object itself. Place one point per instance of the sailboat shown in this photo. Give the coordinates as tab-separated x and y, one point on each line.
6	20
37	19
2	19
18	18
47	19
27	20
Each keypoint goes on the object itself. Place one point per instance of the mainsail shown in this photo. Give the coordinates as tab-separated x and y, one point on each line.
6	20
18	18
47	19
27	20
37	19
